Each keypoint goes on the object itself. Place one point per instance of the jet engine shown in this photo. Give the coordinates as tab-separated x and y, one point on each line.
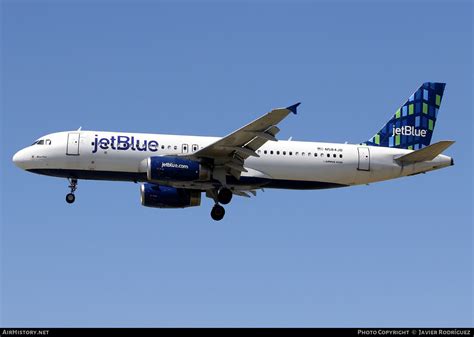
176	169
152	195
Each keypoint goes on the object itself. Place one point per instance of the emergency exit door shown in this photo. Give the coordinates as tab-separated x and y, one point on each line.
364	159
73	144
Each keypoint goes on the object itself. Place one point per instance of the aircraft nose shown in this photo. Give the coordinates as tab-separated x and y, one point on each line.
20	158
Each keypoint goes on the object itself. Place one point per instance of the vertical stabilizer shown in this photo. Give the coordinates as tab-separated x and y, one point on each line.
412	125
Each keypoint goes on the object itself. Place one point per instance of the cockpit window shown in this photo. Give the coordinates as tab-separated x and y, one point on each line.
42	142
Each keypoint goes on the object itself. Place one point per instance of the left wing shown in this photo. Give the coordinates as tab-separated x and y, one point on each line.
230	152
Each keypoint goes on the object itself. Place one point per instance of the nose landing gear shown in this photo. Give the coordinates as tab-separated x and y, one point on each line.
70	197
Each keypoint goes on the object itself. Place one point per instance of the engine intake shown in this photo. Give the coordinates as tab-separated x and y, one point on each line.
176	169
168	197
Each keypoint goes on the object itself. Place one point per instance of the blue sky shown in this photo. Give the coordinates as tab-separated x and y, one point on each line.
397	253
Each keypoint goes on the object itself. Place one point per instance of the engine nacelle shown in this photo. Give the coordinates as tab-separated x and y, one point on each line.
168	197
176	169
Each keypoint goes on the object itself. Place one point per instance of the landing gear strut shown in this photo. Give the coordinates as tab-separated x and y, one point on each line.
70	197
217	212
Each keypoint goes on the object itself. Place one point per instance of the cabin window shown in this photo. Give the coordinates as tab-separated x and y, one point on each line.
340	156
271	152
258	151
162	147
284	153
334	155
290	153
328	155
175	147
278	152
195	147
315	154
265	152
169	147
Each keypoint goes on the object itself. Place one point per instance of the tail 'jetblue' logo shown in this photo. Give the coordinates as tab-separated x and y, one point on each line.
408	131
123	143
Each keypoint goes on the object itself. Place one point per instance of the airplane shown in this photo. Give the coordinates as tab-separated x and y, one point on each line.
175	170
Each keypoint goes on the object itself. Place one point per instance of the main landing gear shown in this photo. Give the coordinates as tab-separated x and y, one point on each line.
224	196
217	212
70	197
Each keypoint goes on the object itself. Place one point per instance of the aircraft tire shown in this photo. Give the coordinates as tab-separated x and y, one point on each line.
224	196
217	212
70	198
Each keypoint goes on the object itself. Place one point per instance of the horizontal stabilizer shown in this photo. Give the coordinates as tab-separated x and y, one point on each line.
426	154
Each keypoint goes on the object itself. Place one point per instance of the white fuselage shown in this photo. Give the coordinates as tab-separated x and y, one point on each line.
290	164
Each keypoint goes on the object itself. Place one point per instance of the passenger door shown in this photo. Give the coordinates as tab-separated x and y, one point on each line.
364	159
73	144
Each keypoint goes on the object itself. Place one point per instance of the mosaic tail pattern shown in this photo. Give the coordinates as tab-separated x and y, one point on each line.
412	125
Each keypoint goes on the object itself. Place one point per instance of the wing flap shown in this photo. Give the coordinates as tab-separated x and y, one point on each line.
245	194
